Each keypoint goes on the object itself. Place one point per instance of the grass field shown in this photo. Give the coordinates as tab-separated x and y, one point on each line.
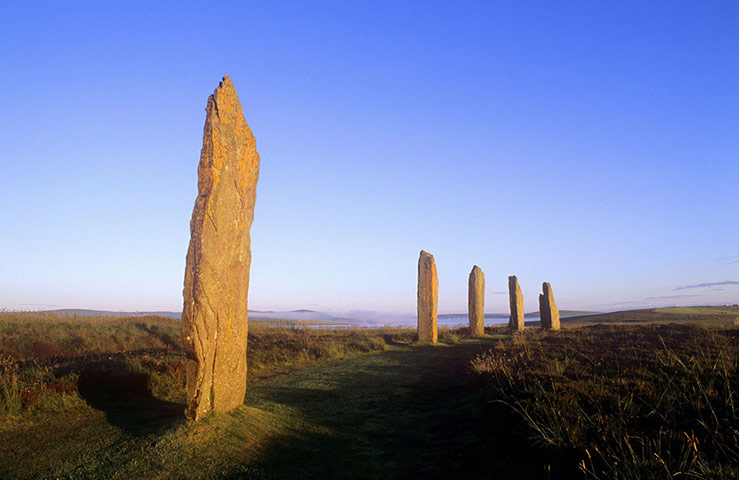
103	398
50	362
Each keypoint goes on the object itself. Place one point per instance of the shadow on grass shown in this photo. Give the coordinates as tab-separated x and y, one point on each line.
390	340
157	332
125	398
406	413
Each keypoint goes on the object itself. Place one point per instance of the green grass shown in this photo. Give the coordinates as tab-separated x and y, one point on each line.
50	362
406	412
42	335
320	404
720	311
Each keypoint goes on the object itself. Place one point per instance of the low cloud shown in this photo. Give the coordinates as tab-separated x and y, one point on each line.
619	304
372	316
646	302
712	284
728	260
500	293
671	297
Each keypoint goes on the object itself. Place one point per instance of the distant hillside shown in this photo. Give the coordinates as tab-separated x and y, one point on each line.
302	314
313	315
566	313
82	312
562	313
455	315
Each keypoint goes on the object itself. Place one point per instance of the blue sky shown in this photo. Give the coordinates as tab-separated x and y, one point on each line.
589	144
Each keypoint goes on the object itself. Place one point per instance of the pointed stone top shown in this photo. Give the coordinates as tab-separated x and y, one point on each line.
476	268
546	288
424	253
224	100
225	86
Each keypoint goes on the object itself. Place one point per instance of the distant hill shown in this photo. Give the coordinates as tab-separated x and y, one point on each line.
455	315
562	313
82	312
316	316
301	314
565	313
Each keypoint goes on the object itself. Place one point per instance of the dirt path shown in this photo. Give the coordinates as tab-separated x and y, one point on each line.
407	413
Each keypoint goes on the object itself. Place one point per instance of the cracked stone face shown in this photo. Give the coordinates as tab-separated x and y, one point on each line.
214	315
476	302
428	293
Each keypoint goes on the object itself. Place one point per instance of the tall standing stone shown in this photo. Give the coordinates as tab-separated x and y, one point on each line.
476	302
551	305
548	308
214	316
515	298
428	293
545	320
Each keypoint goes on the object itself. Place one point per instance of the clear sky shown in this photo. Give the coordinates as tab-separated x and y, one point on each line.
594	145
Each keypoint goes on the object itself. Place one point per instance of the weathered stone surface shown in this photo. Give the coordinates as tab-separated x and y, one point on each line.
476	302
428	294
515	298
548	308
214	316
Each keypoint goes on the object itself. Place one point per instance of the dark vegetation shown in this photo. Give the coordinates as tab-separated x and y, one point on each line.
620	401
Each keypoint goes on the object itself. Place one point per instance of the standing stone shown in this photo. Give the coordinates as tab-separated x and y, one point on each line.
544	321
476	302
515	298
214	316
428	293
548	308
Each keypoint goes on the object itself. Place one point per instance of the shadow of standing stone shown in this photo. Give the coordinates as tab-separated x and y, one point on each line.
124	396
